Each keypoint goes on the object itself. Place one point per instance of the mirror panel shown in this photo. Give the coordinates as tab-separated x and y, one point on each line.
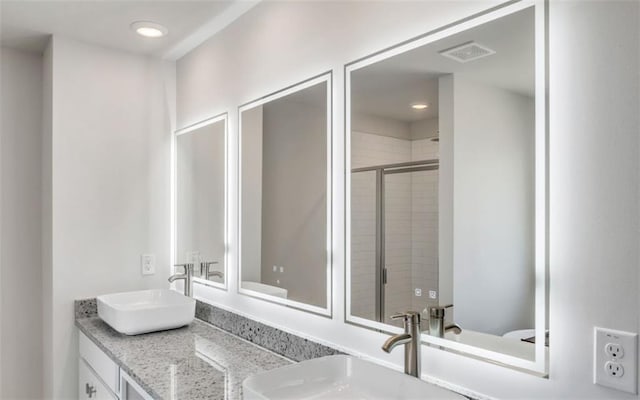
200	200
447	162
285	186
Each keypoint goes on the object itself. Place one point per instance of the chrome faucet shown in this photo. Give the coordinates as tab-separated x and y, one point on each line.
437	325
187	276
204	270
411	341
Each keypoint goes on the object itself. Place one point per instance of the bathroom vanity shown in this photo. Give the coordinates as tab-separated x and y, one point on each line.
441	211
194	362
222	355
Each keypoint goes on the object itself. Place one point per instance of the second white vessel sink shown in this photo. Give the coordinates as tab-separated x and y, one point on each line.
144	311
266	289
339	377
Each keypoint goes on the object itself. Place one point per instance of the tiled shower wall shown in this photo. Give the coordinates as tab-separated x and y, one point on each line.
411	225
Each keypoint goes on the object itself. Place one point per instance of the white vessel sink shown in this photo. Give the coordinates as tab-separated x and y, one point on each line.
144	311
339	377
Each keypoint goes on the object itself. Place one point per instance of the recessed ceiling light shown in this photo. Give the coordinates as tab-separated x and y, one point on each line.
419	106
149	29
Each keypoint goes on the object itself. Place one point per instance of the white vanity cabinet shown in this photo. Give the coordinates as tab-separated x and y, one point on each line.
100	378
90	386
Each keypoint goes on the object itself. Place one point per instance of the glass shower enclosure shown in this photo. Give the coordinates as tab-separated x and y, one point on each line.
394	236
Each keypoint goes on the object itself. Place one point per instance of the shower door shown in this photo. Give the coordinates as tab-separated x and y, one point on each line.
394	238
410	239
365	300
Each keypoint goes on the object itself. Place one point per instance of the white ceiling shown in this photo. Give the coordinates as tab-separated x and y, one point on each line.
388	88
28	24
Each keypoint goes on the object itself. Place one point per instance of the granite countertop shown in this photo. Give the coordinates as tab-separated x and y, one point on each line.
199	361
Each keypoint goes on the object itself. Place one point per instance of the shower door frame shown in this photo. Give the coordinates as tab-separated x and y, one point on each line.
381	171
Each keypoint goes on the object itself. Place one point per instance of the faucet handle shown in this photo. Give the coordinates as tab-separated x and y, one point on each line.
438	311
400	315
412	316
187	267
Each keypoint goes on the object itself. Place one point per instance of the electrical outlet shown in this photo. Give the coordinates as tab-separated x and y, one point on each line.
433	294
275	268
418	292
614	350
148	264
615	359
281	269
614	369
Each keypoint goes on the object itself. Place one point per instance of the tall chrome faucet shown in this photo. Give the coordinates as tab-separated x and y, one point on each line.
411	341
187	276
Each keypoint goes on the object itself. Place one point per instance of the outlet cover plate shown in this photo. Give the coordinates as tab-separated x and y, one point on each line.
628	382
148	264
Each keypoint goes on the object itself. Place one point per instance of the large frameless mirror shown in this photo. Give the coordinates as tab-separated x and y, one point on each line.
446	198
200	200
285	192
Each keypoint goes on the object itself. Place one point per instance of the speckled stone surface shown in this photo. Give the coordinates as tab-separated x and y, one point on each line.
195	362
86	308
283	343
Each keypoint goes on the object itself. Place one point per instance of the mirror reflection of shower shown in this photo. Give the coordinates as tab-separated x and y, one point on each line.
394	208
463	234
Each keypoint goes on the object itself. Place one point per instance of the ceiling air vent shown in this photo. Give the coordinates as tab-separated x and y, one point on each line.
467	52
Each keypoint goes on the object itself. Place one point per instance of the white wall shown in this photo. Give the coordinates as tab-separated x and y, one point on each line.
493	208
382	126
593	168
110	172
594	183
425	128
20	255
47	219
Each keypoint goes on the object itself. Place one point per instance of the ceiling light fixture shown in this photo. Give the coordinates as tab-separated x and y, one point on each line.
149	29
419	106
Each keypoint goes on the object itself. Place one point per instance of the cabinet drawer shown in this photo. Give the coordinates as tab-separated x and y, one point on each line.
130	390
104	367
90	386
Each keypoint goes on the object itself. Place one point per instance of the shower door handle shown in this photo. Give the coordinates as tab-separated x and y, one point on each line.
384	276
